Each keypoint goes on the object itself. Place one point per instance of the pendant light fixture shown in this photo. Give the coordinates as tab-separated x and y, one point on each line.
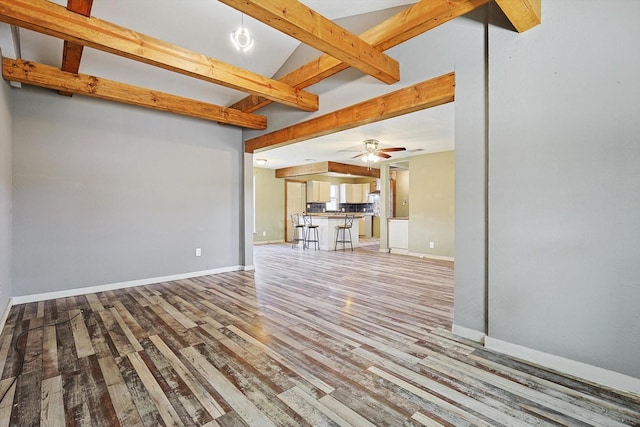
241	37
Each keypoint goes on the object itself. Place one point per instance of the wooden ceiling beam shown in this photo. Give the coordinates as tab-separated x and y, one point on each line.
523	14
55	20
72	52
306	169
304	24
53	78
411	22
326	167
353	170
430	93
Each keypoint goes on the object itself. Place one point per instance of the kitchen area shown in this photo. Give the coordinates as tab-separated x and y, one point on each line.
406	208
329	203
339	199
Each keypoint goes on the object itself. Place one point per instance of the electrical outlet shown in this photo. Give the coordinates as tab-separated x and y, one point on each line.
264	233
432	245
198	251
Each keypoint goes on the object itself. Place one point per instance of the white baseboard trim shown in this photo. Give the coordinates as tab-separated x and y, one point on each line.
572	367
23	299
399	251
438	257
5	315
468	333
268	242
417	254
248	267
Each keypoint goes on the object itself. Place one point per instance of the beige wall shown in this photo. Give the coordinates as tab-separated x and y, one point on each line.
431	211
402	194
269	207
332	179
363	180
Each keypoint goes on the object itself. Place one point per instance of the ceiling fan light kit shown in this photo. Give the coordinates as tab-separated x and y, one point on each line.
371	145
372	153
371	157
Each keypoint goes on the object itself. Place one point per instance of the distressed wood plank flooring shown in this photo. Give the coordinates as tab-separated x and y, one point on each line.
310	338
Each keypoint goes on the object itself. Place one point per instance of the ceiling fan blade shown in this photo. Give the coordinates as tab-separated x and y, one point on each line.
359	155
387	150
383	155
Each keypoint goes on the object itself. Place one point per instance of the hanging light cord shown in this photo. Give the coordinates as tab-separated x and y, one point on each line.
23	355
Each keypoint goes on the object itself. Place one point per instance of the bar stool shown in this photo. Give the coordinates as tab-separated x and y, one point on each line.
298	227
311	228
348	222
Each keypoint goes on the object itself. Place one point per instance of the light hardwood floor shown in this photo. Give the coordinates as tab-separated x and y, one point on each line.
310	338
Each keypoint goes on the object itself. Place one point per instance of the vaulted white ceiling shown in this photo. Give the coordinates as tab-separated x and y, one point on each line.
199	25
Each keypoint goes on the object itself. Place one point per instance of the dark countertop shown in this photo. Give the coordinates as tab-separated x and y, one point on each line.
339	215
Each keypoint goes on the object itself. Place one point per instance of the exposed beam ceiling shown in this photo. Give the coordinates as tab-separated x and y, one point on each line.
326	167
523	14
53	78
313	29
54	20
72	52
77	28
430	93
415	20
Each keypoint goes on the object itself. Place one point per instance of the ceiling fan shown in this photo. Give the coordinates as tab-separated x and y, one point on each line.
372	153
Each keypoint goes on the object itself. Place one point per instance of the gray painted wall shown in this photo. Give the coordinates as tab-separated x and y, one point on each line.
106	193
470	176
564	184
247	210
5	196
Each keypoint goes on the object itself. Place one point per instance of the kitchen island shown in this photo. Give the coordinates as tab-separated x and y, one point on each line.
327	224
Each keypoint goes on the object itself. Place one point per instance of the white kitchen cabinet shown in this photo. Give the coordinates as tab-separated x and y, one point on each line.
354	193
346	193
363	192
318	191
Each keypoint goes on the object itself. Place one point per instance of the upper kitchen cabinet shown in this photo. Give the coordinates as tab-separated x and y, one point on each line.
364	193
318	191
354	193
